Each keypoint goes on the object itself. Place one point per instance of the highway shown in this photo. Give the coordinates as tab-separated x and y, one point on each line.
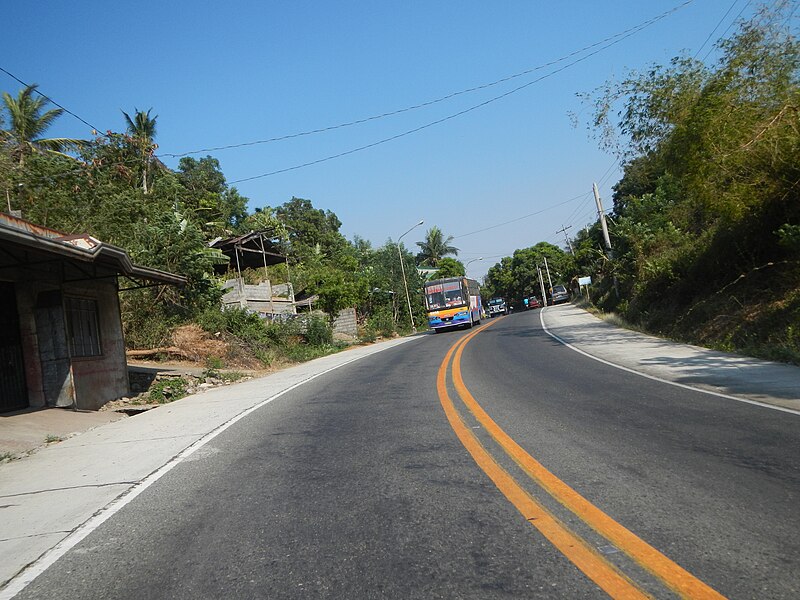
489	463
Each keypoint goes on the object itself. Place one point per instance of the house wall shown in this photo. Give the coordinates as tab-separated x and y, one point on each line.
27	294
99	379
88	382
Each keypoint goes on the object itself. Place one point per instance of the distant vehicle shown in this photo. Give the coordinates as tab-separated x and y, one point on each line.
559	294
497	306
453	302
533	302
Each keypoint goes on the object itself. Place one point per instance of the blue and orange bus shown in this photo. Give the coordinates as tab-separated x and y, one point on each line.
452	302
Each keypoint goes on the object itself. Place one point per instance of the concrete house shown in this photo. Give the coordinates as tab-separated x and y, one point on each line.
61	339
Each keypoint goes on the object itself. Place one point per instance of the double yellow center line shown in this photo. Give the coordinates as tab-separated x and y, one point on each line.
605	574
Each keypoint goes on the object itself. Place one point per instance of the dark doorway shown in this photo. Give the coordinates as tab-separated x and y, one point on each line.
51	333
13	393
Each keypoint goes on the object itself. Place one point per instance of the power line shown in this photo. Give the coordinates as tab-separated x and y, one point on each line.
569	220
577	209
538	212
727	29
700	49
49	99
608	173
449	117
621	35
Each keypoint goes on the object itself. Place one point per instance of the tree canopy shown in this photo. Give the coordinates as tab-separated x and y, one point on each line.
707	212
28	121
516	277
435	247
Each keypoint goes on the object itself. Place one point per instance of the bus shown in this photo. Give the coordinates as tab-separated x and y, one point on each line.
452	302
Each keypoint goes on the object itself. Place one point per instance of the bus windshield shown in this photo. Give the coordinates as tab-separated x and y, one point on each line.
445	295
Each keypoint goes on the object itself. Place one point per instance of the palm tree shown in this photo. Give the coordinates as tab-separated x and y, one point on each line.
435	247
28	123
142	129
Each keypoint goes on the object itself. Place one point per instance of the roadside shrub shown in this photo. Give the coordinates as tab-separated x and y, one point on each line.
297	339
168	390
319	332
146	324
380	323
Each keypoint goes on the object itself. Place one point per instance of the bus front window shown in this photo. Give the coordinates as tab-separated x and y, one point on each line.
454	298
448	294
435	300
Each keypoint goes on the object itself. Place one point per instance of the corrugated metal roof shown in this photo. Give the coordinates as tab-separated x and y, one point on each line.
81	247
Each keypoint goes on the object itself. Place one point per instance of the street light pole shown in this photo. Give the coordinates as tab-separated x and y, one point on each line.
403	271
469	262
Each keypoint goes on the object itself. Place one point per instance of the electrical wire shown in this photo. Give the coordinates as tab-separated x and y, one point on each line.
607	174
538	212
609	41
621	35
49	99
447	118
570	220
727	29
725	16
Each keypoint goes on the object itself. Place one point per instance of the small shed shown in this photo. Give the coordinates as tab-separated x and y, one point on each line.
255	250
62	342
252	250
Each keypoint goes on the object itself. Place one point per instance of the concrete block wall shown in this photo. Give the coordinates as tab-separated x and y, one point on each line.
346	323
262	298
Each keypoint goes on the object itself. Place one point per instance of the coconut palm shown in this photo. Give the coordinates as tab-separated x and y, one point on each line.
142	129
28	122
435	247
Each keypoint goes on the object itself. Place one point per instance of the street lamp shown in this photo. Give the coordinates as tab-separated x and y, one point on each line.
469	262
403	271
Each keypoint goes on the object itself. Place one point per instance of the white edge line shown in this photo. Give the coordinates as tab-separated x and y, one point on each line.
29	573
667	381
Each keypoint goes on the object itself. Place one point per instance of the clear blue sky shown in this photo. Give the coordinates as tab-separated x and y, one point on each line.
220	73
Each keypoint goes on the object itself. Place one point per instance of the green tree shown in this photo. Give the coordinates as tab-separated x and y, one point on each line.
704	212
142	130
516	276
312	232
435	247
217	208
383	306
264	219
449	267
28	121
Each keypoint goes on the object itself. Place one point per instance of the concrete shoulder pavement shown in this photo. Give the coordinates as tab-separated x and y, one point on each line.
733	375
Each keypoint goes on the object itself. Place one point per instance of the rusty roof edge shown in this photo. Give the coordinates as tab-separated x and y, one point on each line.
101	250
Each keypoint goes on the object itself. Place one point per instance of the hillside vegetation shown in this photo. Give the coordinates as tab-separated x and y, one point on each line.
705	226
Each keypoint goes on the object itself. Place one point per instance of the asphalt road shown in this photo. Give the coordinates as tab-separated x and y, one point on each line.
355	485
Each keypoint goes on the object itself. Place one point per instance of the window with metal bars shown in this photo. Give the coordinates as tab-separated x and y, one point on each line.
83	327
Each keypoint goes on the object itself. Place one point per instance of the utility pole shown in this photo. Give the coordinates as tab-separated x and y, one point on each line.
602	216
541	284
566	237
403	271
547	268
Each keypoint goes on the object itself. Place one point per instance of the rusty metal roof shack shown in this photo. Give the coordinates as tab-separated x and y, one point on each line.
255	250
62	342
252	250
25	245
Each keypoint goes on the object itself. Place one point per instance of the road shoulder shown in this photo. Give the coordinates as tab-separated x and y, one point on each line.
731	375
